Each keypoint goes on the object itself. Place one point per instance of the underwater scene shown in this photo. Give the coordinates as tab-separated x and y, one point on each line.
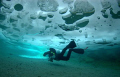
59	38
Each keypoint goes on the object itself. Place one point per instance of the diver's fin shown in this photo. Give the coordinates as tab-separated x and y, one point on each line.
79	51
72	44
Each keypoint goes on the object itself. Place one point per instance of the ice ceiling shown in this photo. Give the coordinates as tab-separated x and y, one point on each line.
53	23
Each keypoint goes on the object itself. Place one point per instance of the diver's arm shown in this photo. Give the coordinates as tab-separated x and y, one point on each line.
46	53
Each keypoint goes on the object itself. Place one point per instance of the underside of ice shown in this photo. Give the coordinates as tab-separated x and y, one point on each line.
54	23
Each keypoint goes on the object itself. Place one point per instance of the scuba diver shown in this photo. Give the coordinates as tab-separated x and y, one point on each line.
53	55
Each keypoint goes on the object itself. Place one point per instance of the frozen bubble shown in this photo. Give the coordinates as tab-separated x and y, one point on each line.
18	7
82	23
64	10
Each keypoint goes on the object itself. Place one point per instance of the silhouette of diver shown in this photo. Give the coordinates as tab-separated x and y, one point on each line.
60	56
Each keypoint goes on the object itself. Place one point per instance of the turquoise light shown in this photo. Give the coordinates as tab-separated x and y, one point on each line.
28	50
36	57
34	52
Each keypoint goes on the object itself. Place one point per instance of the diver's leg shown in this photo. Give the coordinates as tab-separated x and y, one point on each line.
72	44
63	51
79	51
66	58
69	54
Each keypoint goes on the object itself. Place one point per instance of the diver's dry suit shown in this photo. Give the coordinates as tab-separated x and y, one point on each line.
53	55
